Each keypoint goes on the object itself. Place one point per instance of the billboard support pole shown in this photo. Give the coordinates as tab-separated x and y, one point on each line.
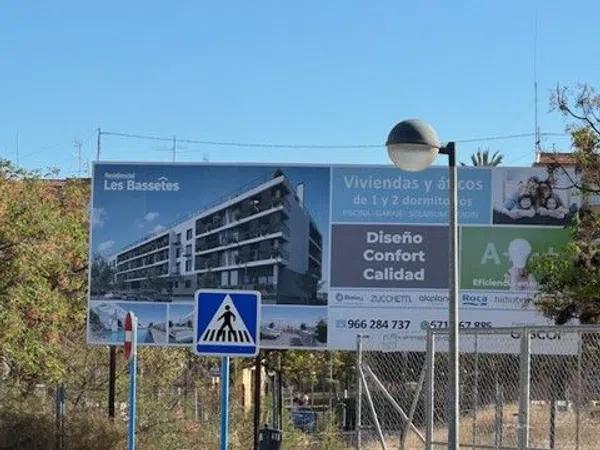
359	386
279	393
224	402
112	375
257	387
132	356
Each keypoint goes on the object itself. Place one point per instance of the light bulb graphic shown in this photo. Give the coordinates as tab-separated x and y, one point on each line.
518	252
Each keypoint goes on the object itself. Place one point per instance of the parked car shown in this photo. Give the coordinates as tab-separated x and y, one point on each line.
269	332
304	418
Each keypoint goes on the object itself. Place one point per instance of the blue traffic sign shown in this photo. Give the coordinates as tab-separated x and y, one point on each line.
226	323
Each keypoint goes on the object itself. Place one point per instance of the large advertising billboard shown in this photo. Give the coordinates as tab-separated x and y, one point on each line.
334	250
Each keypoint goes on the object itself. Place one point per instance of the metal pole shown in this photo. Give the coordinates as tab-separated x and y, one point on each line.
475	392
174	148
552	431
358	391
524	375
60	415
413	407
98	145
224	402
499	412
274	407
330	383
429	391
453	391
279	393
579	386
112	375
196	412
372	408
132	384
391	399
257	390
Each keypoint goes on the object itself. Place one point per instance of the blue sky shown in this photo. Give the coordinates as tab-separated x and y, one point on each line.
338	72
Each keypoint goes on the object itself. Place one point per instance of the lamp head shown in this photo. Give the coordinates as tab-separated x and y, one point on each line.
412	145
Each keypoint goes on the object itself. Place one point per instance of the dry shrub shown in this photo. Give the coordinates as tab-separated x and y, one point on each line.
27	429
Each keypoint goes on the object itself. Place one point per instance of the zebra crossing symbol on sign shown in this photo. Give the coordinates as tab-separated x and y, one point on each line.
226	326
227	323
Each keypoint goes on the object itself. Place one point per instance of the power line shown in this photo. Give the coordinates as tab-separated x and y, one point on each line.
299	146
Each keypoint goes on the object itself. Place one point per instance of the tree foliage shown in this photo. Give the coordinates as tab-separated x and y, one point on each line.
43	262
482	158
569	281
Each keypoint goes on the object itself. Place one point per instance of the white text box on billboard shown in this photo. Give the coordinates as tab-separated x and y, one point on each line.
391	329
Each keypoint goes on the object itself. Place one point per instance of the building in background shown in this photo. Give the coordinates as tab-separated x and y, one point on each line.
565	160
261	237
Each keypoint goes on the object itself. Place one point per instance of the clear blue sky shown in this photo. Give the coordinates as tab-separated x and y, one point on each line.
337	72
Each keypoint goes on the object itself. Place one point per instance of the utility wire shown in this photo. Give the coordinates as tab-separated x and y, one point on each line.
302	146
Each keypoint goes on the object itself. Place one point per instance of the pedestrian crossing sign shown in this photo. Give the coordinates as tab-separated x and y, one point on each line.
226	323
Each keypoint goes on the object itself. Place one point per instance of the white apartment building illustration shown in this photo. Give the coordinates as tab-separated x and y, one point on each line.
260	237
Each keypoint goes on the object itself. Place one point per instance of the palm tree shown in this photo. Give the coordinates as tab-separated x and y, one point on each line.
482	158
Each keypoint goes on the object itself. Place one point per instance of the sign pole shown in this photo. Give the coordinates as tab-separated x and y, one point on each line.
224	402
131	354
226	323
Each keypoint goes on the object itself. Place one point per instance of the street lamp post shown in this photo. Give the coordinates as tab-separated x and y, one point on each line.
413	145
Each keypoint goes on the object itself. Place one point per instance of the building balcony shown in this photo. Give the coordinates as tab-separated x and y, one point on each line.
239	221
255	206
226	241
151	272
149	247
244	261
261	254
205	227
208	263
143	261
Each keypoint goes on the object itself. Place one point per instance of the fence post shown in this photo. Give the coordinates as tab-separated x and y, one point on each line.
257	399
475	392
579	388
60	416
112	376
358	391
363	379
524	379
499	421
429	390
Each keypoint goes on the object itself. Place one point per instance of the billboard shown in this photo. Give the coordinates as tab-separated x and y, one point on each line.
334	250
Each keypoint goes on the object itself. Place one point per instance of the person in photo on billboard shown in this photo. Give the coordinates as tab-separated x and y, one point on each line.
521	203
549	203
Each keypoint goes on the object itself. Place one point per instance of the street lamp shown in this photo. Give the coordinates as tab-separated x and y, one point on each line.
413	145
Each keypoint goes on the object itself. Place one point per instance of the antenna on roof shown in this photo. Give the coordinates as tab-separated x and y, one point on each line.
536	130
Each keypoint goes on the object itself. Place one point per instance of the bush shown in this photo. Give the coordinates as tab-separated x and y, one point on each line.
29	429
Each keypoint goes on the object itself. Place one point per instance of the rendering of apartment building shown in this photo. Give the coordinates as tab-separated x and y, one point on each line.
260	237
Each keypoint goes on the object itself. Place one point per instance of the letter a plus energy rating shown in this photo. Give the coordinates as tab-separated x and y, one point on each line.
227	323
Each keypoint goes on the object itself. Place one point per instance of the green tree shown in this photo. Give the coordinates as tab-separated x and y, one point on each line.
43	263
321	331
103	276
482	158
569	281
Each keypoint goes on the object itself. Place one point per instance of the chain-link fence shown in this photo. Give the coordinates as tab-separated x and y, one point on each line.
520	388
